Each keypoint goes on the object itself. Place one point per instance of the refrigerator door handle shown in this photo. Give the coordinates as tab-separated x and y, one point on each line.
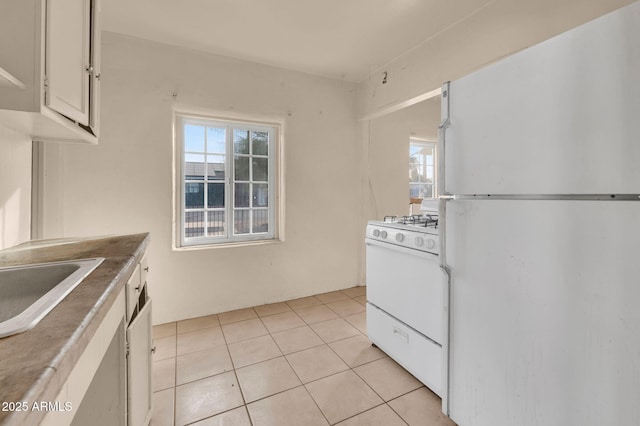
443	197
445	122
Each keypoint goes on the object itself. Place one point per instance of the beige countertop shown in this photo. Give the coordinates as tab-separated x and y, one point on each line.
35	364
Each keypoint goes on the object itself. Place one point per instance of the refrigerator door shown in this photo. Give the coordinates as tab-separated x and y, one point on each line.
544	312
558	118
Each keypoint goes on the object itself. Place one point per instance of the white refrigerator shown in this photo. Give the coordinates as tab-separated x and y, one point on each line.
540	231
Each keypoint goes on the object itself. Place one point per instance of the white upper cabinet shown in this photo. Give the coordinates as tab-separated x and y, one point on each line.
67	62
50	68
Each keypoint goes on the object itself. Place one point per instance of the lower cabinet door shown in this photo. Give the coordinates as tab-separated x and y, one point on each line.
139	368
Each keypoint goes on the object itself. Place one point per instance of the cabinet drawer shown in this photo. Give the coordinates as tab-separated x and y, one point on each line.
134	285
417	354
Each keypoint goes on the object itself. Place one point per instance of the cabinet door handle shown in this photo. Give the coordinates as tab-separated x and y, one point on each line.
153	350
146	269
89	69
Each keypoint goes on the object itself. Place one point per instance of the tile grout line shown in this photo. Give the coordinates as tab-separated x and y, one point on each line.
369	409
235	374
244	401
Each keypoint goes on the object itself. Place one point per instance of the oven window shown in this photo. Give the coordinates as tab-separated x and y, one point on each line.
422	169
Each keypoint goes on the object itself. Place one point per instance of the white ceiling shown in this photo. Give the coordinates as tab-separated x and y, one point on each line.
347	39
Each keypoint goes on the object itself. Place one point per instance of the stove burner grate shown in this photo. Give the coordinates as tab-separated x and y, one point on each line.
426	220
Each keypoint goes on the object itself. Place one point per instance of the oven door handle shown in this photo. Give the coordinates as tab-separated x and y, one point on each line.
389	246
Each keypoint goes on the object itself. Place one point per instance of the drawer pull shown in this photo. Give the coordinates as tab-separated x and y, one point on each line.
401	334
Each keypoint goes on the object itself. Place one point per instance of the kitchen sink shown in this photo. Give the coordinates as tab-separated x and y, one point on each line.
29	292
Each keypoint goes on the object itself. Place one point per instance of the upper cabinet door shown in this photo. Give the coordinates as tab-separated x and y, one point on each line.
96	30
67	62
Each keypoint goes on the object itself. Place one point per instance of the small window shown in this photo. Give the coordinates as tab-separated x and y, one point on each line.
422	169
227	185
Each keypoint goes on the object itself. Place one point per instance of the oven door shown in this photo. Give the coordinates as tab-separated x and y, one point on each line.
408	285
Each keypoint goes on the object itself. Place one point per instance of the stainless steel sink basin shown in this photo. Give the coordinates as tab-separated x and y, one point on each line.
28	293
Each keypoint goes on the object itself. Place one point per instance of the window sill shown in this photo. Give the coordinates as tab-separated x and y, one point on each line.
216	246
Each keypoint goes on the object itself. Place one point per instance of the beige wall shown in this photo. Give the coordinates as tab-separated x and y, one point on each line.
499	29
15	188
124	184
387	144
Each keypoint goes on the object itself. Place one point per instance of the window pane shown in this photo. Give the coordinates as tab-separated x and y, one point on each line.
260	220
241	195
194	224
215	167
216	137
260	169
414	169
194	167
241	222
422	170
194	195
260	142
193	138
430	160
414	190
215	195
260	195
427	190
241	141
414	149
241	168
215	223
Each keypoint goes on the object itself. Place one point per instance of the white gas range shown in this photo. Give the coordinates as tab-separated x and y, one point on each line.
406	295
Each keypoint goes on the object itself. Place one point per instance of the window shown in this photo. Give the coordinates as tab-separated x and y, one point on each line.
226	185
422	169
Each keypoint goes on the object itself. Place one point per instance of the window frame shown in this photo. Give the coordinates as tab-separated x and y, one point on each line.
413	141
229	237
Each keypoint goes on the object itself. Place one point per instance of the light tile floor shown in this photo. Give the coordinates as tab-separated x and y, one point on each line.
303	362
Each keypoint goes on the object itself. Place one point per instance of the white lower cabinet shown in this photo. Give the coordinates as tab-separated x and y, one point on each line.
139	347
110	384
139	368
94	393
103	403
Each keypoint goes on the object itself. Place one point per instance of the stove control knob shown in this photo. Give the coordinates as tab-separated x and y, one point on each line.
376	232
383	234
399	238
430	243
419	241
